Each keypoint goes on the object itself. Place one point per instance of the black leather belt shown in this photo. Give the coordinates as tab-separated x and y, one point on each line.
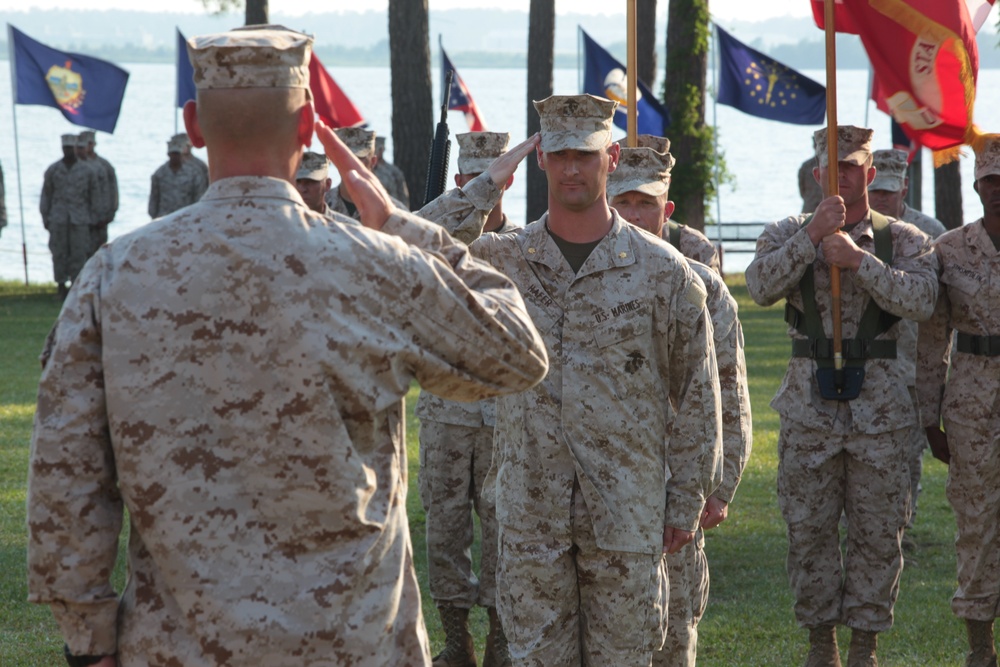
984	346
853	348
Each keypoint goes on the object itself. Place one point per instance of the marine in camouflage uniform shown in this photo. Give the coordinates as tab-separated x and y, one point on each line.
243	399
391	176
312	180
3	203
960	383
192	160
692	243
107	185
639	190
456	450
607	463
886	195
844	456
174	185
362	144
67	205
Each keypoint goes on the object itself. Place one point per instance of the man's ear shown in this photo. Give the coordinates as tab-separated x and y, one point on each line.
307	120
191	124
540	157
668	209
614	152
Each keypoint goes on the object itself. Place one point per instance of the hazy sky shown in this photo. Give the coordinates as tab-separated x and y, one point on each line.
723	9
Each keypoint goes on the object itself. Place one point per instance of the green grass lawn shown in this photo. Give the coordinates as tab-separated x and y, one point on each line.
749	619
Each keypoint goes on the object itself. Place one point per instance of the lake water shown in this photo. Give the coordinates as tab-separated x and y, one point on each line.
764	156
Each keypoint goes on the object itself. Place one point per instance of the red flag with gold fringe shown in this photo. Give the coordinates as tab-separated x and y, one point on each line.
925	57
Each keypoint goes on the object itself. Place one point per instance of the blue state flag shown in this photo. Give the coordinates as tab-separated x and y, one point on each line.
605	77
88	91
185	73
763	87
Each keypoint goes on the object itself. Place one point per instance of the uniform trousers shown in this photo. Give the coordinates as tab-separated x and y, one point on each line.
69	245
688	572
454	461
565	602
974	493
821	474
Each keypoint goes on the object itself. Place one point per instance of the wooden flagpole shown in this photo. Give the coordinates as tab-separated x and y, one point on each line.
833	177
631	68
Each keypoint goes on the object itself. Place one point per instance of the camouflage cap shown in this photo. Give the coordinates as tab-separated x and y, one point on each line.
987	155
313	167
476	150
641	170
854	144
658	144
174	145
359	140
575	122
890	170
182	140
257	56
81	141
69	140
89	136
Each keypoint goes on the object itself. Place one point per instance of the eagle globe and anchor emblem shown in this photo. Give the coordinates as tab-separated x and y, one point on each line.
66	86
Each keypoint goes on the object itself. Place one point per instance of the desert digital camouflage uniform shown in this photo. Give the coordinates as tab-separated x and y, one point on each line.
67	205
925	223
585	450
3	202
695	245
336	203
393	179
688	568
967	397
837	455
257	441
171	190
320	435
107	191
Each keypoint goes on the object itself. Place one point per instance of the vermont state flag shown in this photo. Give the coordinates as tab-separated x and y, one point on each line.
763	87
88	91
605	77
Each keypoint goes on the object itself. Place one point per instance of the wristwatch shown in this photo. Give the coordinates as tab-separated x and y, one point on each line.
80	660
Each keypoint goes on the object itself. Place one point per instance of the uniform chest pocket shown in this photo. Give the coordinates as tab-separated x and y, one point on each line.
961	281
624	326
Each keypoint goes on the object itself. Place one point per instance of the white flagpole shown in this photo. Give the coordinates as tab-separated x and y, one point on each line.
17	150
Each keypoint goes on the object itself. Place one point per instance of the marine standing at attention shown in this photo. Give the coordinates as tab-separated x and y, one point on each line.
843	448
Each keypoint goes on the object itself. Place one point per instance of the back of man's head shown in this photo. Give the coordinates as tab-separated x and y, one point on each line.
252	83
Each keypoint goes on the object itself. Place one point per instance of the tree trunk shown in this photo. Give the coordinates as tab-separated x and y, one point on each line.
684	93
541	54
645	43
948	195
257	12
412	106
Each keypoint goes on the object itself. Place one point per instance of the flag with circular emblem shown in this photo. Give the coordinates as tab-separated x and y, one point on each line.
88	91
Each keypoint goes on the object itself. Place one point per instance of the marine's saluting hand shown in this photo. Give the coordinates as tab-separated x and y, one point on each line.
363	186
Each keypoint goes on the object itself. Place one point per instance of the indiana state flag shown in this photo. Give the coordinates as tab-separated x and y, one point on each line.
88	91
763	87
605	77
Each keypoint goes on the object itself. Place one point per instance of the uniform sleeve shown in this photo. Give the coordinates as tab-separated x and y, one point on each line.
693	446
45	200
113	191
737	430
472	315
908	288
154	197
74	508
933	353
784	251
463	211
